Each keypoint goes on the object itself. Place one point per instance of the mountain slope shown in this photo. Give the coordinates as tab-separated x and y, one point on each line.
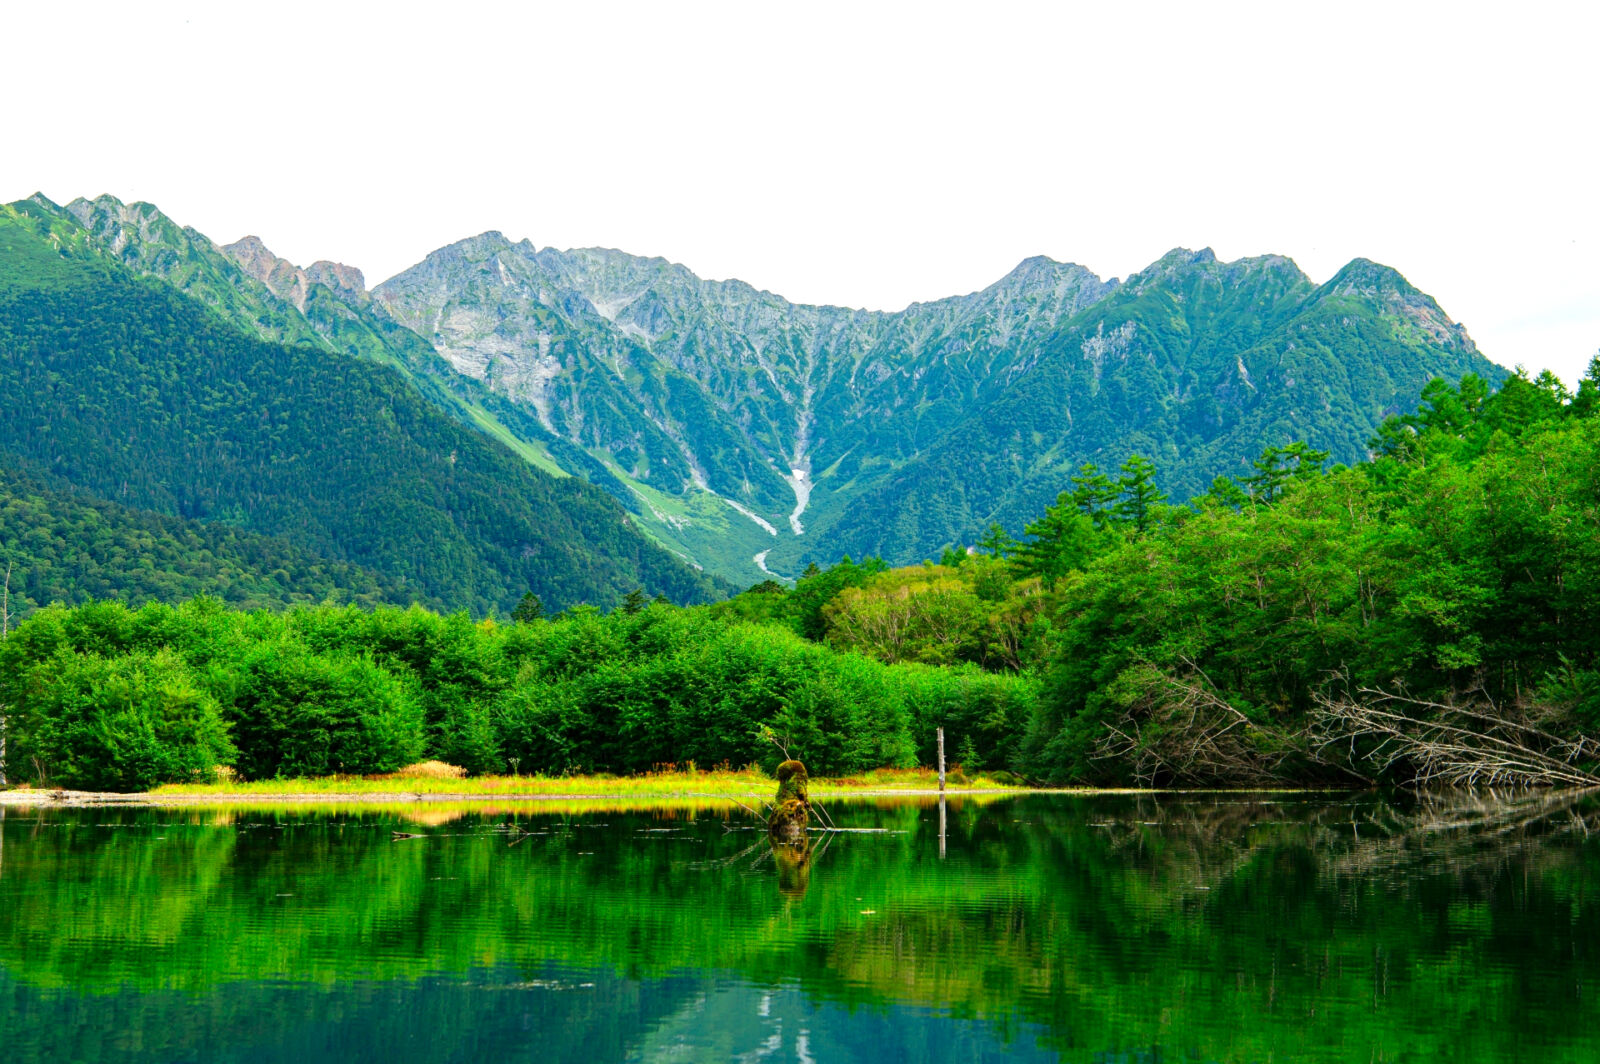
714	404
134	392
749	434
64	545
832	430
1194	363
325	305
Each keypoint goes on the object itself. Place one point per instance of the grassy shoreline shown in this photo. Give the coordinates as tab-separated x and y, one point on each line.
707	789
724	786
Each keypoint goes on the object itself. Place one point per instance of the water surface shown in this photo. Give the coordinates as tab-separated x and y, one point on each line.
1108	929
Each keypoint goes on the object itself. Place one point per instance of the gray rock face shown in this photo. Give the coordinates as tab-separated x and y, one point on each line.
830	430
751	435
689	385
346	280
291	283
284	278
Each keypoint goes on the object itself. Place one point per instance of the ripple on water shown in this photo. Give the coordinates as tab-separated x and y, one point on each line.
1219	928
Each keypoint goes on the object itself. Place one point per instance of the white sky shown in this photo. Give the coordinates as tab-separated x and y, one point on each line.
861	154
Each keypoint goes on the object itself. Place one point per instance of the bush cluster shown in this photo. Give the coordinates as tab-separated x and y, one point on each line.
331	690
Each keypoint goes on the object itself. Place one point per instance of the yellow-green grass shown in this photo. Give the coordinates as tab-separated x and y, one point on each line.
674	784
436	811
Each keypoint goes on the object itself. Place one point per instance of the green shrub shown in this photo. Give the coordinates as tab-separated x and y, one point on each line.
301	714
845	718
125	723
983	714
542	729
467	735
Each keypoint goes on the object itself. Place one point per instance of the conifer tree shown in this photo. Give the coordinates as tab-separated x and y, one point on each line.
530	609
998	542
1138	491
1093	493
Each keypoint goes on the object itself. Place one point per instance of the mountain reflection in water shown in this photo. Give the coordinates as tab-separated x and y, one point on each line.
1121	928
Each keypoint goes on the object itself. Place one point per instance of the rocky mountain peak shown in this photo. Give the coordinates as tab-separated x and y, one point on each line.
346	280
1414	311
478	248
1042	274
1180	257
1368	278
286	280
129	230
255	258
1177	262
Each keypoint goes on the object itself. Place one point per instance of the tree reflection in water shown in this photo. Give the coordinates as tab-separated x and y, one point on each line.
1217	927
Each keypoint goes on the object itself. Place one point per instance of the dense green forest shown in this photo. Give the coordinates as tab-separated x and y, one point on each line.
920	426
1429	615
106	697
138	394
64	545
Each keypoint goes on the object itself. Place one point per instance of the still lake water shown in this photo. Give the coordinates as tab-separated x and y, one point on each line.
1107	929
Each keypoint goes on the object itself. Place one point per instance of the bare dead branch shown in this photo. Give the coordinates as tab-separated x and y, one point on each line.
1180	729
1430	743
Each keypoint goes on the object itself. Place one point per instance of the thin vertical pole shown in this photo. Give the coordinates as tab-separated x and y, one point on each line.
941	760
941	827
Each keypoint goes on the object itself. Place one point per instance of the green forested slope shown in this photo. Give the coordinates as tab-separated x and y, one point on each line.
732	424
1195	364
1432	615
136	393
63	545
325	306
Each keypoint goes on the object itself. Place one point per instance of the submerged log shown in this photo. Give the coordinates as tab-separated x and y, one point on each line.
791	813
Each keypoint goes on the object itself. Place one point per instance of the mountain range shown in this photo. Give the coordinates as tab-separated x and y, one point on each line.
749	435
128	390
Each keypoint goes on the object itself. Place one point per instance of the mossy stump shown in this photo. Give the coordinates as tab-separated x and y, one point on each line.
791	813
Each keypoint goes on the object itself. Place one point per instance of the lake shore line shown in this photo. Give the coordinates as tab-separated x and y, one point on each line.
577	792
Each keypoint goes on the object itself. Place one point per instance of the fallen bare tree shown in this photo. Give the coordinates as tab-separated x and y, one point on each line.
1177	729
1477	743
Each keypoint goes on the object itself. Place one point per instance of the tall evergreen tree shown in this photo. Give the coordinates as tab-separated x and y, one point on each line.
529	610
1279	466
1138	493
1093	493
998	542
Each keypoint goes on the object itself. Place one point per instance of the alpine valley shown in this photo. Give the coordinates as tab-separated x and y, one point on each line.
502	417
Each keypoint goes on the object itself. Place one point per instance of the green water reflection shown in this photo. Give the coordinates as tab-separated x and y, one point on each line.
1223	928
